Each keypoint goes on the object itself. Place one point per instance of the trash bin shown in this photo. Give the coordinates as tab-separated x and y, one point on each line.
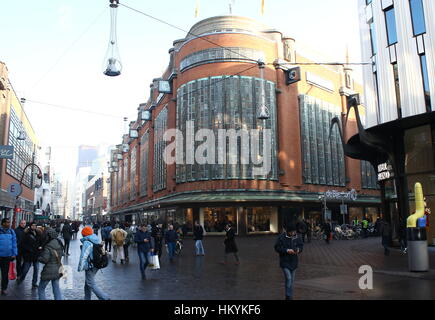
418	255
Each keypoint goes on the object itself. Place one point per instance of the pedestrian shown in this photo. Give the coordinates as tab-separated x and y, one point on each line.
89	240
51	258
128	240
402	237
67	235
385	232
32	247
230	244
289	246
171	237
105	235
145	245
198	235
20	236
309	230
118	237
365	225
157	234
96	227
302	229
75	229
8	252
327	230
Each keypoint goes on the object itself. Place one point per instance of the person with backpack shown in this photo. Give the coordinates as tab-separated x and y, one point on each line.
8	252
145	244
67	235
289	246
51	258
92	259
118	237
198	235
105	235
128	240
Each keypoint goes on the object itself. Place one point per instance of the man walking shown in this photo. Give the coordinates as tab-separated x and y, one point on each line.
32	247
67	234
198	235
105	235
145	244
8	252
157	234
327	230
128	239
230	244
385	232
171	237
20	236
118	237
85	264
289	246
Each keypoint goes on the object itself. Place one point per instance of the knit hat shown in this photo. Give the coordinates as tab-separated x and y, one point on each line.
52	234
87	231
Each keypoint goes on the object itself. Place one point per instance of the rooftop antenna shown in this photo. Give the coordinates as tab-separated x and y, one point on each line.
231	5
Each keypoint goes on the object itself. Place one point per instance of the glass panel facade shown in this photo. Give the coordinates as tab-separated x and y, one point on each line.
419	150
220	54
259	219
368	176
417	14
215	219
159	172
23	150
133	174
323	158
390	22
125	194
144	154
229	103
425	82
373	39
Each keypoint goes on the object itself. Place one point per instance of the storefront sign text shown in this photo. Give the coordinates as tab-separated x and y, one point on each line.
333	194
6	152
385	171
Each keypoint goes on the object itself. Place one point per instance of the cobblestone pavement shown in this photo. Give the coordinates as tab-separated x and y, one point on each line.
325	272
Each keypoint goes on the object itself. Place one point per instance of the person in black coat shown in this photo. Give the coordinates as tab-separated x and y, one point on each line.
230	244
289	246
67	232
157	234
327	230
32	246
20	236
198	235
171	238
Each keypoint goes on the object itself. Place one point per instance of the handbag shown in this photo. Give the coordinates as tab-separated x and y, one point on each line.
155	262
12	274
62	271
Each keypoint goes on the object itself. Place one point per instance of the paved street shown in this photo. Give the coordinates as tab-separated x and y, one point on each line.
326	272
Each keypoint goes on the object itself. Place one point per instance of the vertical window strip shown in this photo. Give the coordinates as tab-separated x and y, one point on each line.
426	88
417	16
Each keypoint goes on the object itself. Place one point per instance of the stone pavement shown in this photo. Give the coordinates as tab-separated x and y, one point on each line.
325	272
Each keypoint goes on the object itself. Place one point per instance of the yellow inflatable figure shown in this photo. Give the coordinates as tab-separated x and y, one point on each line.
419	207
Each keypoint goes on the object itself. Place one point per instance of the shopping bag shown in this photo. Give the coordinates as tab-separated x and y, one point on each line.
12	273
155	262
150	260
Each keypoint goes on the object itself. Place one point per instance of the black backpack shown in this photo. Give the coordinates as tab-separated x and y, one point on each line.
100	260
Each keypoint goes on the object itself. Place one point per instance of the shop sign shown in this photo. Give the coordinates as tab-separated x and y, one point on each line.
14	189
336	195
343	208
328	214
385	172
6	152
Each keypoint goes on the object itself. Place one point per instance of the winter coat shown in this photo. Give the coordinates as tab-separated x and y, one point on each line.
198	233
114	232
32	241
171	236
284	243
157	234
8	243
105	232
141	245
385	229
130	237
87	254
19	232
51	263
67	232
230	241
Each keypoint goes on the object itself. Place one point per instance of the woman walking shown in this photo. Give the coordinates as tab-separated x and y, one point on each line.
230	244
51	257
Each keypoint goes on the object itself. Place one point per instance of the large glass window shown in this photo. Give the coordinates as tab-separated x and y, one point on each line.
125	194
390	21
373	39
144	154
419	150
417	14
160	126
215	219
425	82
259	219
323	157
368	176
133	174
229	103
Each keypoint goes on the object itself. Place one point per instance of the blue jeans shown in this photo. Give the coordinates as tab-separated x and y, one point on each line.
289	281
56	289
26	268
199	247
171	250
143	261
91	286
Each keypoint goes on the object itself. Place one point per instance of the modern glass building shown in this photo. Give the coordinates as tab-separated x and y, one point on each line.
233	163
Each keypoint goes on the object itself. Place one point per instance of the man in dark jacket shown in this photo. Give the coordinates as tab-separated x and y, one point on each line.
32	247
157	234
230	244
198	235
327	230
67	235
171	237
385	232
20	236
145	244
8	252
105	235
289	246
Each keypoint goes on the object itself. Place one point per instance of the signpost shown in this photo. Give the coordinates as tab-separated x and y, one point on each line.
15	190
6	152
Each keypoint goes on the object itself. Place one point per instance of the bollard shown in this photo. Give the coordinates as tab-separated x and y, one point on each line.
418	255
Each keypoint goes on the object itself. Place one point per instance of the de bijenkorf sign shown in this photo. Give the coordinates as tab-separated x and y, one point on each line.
6	152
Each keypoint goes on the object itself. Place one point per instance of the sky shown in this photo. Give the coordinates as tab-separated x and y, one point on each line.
55	49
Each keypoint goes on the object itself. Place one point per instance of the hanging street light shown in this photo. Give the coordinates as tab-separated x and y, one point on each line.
112	62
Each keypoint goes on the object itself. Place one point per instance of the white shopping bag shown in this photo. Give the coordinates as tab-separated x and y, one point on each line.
155	262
